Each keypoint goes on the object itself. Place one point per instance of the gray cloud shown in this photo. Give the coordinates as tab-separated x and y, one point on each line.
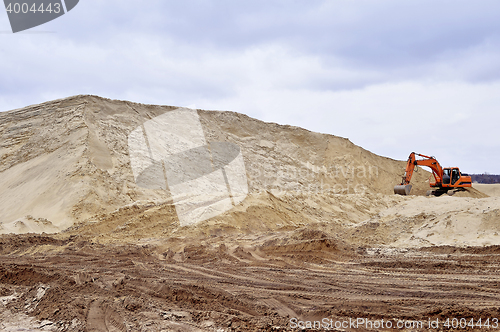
376	72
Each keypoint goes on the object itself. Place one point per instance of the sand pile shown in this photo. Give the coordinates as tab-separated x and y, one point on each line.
492	190
68	160
444	220
97	167
174	219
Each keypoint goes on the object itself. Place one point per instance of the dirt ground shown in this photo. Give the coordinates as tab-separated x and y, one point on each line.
241	283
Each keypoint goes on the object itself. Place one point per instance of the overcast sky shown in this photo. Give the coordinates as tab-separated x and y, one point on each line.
392	76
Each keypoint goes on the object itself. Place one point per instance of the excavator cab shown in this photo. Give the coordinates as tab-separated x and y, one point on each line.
452	178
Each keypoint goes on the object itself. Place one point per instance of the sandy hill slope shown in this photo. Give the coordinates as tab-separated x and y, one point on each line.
488	189
68	160
82	162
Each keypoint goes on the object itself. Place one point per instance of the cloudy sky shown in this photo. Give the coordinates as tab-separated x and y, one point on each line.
392	76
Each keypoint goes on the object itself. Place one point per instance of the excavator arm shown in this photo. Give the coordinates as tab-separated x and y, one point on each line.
437	171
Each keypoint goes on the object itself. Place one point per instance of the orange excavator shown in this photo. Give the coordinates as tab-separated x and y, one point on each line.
444	178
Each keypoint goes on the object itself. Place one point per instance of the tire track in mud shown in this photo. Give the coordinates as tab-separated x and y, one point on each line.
120	288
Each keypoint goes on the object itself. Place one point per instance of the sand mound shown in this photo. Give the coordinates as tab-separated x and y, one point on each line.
467	192
89	165
68	160
488	189
444	220
314	231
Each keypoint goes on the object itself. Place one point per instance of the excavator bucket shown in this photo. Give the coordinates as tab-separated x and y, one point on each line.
402	189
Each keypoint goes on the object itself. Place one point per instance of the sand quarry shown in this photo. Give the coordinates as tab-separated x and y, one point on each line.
318	233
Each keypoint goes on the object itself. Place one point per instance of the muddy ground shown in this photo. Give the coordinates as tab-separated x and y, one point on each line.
258	283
